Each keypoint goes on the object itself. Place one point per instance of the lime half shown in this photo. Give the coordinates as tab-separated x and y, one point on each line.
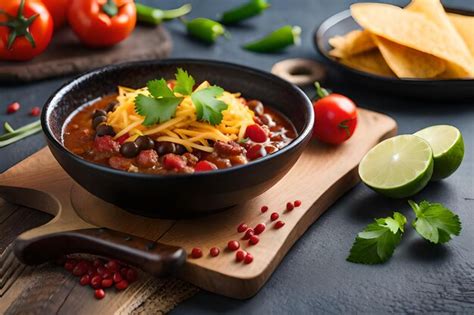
448	148
398	167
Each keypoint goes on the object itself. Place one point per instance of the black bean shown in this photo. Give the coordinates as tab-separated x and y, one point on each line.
129	149
98	120
256	106
145	143
180	149
99	112
165	147
104	130
111	106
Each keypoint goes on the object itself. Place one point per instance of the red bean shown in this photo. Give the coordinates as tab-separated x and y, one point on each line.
214	251
256	151
99	294
203	166
240	255
264	209
279	224
196	252
35	111
242	228
233	245
297	203
85	280
122	285
259	228
254	239
248	234
248	258
256	133
274	216
289	206
13	108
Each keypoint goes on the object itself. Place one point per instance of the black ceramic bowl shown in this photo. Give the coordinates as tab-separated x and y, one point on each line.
447	90
180	195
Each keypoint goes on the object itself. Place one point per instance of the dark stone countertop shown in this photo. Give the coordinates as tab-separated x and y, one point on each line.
314	277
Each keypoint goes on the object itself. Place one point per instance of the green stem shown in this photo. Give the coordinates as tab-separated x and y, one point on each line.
110	8
8	127
320	91
156	16
19	131
20	136
18	26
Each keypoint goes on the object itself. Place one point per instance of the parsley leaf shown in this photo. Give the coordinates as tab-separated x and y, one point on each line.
208	107
435	222
160	106
184	82
377	242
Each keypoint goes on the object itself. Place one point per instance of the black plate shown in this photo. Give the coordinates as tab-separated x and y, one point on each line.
342	23
179	195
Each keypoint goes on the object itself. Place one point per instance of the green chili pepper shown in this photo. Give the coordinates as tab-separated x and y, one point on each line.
155	16
205	29
245	11
277	40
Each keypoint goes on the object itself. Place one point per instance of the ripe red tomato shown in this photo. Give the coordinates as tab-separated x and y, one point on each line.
102	23
58	11
336	117
26	29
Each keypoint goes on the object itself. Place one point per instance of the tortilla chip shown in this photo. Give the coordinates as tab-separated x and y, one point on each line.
407	62
369	61
465	27
352	43
414	31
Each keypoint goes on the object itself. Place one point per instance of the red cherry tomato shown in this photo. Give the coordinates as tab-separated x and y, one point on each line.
26	28
202	166
336	117
256	133
102	23
58	11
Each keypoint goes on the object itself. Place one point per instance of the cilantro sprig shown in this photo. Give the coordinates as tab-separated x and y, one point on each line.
377	242
434	222
161	104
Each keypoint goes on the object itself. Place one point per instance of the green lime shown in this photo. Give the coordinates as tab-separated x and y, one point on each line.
398	167
448	148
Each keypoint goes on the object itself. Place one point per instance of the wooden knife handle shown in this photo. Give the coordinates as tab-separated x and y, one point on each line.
155	258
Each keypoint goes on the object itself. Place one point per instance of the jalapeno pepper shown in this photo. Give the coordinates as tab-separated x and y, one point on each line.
245	11
277	40
205	29
156	16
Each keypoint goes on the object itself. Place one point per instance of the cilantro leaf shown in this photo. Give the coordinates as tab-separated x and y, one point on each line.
435	222
159	88
208	107
184	82
377	242
156	110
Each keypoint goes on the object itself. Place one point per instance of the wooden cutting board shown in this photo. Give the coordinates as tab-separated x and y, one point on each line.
321	176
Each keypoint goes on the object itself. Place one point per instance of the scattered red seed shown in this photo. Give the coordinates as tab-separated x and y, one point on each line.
196	252
248	234
107	283
242	228
264	209
214	251
297	203
108	274
123	272
117	277
122	285
79	270
96	282
248	258
254	240
85	280
240	255
274	216
289	206
279	224
101	270
259	228
13	108
35	111
132	275
99	294
70	264
233	245
97	262
113	265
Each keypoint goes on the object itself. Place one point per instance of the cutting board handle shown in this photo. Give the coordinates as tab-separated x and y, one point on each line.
155	258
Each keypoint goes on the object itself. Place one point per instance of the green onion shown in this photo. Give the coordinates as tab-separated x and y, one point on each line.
155	16
15	135
8	128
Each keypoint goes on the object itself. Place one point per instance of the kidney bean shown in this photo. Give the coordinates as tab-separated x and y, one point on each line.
256	133
227	148
256	151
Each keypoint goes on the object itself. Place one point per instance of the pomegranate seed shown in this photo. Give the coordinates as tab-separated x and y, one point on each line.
259	228
117	277
113	265
256	133
242	228
101	270
196	252
214	251
123	272
289	206
248	258
297	203
248	234
70	264
35	111
254	240
264	209
96	282
107	283
108	274
13	108
99	294
85	280
91	271
97	262
122	285
279	224
132	275
233	245
274	216
79	270
240	255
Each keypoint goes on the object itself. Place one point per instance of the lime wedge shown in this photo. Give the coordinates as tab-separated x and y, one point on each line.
448	148
398	167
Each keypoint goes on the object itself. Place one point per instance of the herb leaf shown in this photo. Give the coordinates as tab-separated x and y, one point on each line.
159	88
377	242
156	110
184	82
208	107
435	222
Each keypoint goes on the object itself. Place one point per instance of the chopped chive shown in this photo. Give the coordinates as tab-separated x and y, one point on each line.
19	136
8	127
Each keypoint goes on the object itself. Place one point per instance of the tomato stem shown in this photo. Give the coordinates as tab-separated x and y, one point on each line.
343	125
110	8
19	26
320	91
